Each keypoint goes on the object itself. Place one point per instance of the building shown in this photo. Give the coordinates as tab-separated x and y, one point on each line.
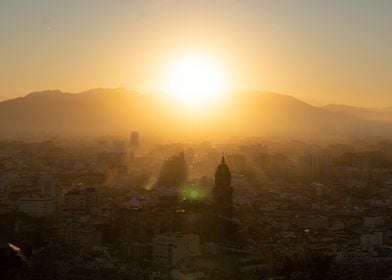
223	227
140	251
91	199
386	148
144	224
223	192
373	222
188	274
119	147
237	162
76	234
83	236
81	202
174	172
50	188
370	241
134	139
75	202
170	248
37	206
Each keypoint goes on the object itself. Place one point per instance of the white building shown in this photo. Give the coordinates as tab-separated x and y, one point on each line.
36	206
170	248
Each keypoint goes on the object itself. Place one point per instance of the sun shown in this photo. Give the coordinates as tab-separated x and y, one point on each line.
195	80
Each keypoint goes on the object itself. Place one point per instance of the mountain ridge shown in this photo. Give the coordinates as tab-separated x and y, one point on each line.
250	113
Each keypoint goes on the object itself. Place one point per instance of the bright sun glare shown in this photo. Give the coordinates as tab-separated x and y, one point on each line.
195	80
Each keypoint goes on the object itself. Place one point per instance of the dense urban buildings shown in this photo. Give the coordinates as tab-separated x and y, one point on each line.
267	209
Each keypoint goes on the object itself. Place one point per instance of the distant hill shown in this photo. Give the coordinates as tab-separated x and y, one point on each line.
285	115
374	114
55	112
114	111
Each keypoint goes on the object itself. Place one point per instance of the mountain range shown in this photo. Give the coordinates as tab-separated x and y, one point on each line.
115	111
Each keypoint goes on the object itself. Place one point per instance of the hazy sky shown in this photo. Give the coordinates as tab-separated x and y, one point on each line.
322	50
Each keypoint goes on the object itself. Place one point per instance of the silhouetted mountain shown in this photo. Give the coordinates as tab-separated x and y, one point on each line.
56	112
284	115
373	114
114	111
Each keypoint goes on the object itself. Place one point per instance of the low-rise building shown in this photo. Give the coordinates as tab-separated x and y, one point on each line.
36	206
170	248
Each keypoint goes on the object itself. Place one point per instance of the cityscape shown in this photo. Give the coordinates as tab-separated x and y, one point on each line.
265	209
196	140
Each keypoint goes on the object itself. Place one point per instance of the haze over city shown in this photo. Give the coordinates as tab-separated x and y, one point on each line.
195	140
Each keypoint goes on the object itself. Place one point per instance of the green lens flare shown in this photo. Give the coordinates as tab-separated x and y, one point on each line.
193	192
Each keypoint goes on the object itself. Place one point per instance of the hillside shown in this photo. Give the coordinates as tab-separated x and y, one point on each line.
114	111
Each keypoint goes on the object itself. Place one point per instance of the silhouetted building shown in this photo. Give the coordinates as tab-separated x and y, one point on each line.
223	192
174	172
134	139
222	208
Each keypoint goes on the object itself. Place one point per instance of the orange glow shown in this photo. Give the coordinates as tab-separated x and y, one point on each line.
195	81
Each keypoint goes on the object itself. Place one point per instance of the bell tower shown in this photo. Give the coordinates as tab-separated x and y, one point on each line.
223	192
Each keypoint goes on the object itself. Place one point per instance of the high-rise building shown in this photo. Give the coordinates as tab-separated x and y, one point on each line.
223	191
174	171
134	139
48	185
51	189
386	148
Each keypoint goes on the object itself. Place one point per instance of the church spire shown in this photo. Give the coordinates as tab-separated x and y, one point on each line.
223	158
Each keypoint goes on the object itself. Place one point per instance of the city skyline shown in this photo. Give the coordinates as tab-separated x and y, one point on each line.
195	139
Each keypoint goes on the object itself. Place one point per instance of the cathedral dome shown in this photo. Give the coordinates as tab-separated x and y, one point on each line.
223	169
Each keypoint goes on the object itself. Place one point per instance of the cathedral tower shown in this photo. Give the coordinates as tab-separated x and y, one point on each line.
223	192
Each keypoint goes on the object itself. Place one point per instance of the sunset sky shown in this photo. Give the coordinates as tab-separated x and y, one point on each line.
324	51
